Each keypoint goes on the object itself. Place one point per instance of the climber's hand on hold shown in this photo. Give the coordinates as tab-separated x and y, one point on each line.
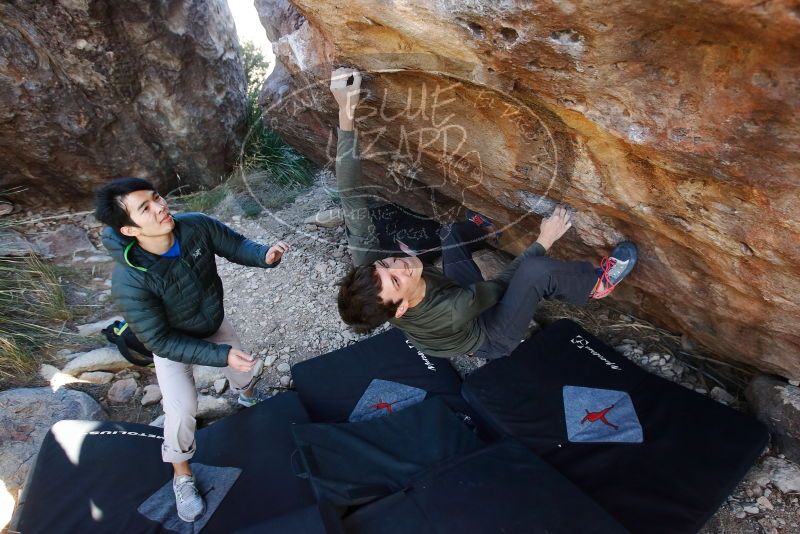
346	88
554	226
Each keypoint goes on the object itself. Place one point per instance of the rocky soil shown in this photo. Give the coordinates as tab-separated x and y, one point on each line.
288	314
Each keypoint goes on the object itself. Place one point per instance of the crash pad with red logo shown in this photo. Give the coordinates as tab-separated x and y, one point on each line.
562	392
332	385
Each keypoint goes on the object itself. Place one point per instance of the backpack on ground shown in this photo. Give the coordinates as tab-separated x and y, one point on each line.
128	344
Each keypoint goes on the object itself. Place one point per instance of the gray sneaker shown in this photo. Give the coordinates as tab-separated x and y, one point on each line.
612	270
189	502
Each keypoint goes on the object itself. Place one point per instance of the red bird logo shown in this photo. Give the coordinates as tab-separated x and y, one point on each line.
384	406
599	416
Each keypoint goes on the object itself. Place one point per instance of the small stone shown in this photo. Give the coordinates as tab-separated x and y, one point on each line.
220	385
127	373
95	328
6	208
48	371
794	383
741	514
285	381
96	377
99	258
152	395
269	360
720	395
752	510
781	473
210	407
158	421
102	359
764	503
284	367
122	391
701	391
205	376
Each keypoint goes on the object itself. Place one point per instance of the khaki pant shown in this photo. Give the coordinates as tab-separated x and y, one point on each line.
180	396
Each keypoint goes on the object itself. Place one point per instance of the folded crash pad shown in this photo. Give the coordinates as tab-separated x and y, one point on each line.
500	488
351	464
93	476
657	456
331	386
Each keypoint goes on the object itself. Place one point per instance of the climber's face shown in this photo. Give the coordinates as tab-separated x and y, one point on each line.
149	211
400	280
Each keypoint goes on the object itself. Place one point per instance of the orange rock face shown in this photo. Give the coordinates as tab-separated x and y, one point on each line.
675	124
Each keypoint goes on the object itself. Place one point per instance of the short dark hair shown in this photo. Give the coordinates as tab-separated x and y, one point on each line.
108	206
360	305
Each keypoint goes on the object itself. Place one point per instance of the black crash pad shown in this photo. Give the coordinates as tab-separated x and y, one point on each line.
351	464
692	450
500	488
92	476
331	385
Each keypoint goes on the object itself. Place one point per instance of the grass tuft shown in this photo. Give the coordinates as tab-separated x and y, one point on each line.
202	201
32	304
265	150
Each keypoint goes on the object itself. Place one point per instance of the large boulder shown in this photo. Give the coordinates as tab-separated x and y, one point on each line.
92	90
674	124
26	415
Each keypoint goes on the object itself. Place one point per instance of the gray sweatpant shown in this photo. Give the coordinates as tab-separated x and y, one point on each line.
180	396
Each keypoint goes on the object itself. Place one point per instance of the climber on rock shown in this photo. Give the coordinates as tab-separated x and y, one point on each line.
453	311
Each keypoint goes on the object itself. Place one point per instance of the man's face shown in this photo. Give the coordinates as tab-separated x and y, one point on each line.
150	213
399	278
